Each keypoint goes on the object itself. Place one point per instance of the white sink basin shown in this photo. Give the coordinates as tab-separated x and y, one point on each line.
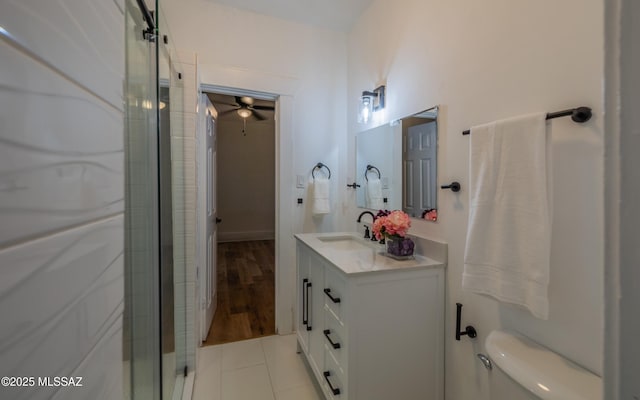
344	242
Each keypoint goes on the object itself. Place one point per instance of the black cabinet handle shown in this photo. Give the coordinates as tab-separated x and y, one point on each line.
336	391
304	301
308	317
334	299
327	332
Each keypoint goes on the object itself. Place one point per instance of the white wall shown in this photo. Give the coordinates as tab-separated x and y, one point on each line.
246	180
62	196
481	62
306	66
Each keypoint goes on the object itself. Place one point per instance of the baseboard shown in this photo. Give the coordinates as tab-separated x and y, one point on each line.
245	236
187	389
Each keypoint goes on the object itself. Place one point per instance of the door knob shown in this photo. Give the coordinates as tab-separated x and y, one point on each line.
218	220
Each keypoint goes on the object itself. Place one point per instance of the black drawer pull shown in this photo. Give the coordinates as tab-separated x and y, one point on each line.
326	334
336	391
334	299
304	301
308	317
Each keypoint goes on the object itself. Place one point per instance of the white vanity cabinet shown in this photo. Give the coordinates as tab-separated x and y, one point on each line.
374	333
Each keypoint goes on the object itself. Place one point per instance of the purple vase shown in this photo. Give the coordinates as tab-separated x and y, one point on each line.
400	247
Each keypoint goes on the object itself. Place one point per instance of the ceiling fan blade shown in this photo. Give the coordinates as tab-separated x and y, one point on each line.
234	111
259	115
224	103
265	108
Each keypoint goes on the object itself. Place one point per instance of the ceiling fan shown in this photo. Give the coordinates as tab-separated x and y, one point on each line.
244	106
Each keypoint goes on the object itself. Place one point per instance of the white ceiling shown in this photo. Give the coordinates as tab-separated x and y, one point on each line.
338	15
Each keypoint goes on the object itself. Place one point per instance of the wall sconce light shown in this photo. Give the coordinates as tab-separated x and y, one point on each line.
370	102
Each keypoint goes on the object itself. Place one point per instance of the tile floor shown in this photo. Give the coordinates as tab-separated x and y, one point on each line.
258	369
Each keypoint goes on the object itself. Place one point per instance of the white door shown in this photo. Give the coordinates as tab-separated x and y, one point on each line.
209	218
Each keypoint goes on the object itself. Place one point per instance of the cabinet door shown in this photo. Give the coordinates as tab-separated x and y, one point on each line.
303	285
316	313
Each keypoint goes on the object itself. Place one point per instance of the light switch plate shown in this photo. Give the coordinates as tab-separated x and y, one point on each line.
385	182
300	181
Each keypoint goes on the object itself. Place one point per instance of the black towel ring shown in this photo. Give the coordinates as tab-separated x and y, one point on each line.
319	166
369	168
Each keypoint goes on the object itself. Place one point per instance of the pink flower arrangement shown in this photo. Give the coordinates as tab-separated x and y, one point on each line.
393	224
430	215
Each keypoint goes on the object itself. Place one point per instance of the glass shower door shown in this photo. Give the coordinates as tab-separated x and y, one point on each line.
141	339
172	344
153	354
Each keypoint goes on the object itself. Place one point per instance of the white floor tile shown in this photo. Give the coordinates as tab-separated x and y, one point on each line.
208	374
253	370
286	367
242	354
305	392
251	383
210	355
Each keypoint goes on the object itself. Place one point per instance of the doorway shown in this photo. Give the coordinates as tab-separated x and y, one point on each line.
246	208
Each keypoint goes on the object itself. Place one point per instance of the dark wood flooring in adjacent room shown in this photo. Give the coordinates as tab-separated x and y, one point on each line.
246	292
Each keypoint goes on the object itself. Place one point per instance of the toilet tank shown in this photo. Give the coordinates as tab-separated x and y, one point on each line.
529	371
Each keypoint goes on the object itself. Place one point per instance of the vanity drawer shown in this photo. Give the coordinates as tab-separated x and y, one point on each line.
335	340
335	293
335	382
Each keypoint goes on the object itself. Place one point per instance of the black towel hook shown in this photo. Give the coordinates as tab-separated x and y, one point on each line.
319	166
454	186
369	168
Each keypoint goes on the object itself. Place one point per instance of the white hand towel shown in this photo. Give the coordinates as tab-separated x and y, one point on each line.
320	196
374	194
509	233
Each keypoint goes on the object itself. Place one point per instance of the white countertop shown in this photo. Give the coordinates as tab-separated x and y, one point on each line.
361	256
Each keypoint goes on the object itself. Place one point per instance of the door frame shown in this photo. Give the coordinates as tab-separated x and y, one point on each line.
278	281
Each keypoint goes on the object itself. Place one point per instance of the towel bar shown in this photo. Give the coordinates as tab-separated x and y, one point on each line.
319	166
579	114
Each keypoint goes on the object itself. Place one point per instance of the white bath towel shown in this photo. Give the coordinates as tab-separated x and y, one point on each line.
374	194
320	196
509	233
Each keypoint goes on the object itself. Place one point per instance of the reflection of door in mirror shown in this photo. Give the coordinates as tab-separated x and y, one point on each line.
419	157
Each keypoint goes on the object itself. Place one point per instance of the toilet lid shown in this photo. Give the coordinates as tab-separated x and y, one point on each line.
545	373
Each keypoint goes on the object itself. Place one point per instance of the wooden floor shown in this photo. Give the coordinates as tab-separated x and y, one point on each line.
246	292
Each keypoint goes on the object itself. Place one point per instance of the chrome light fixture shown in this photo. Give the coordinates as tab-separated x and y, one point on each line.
370	102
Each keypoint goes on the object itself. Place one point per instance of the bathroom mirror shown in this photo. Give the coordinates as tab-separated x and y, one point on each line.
378	168
396	166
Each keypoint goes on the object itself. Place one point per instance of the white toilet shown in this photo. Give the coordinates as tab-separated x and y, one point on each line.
528	371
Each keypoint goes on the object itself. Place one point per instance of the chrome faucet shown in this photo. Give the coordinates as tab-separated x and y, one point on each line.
367	235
